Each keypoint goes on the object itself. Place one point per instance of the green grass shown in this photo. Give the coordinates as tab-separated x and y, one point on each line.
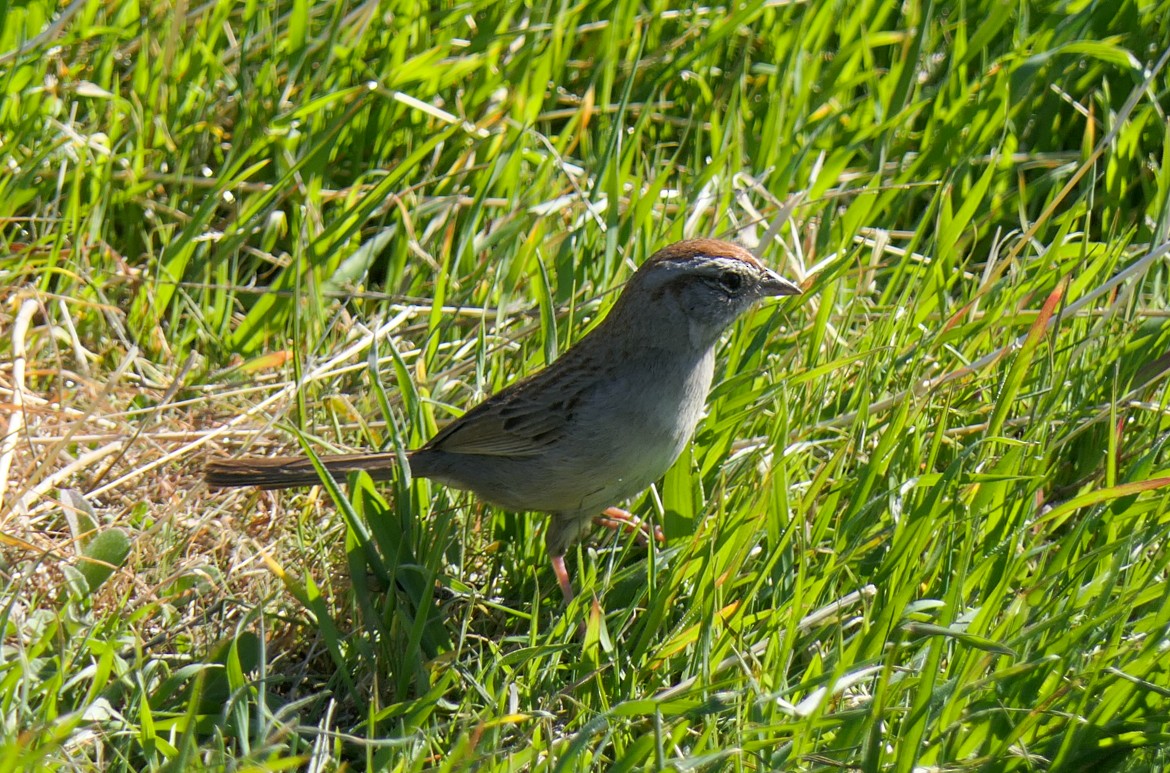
922	527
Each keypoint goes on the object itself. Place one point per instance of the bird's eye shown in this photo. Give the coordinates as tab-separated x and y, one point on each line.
731	282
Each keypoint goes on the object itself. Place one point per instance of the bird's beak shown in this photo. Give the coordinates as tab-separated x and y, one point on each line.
773	284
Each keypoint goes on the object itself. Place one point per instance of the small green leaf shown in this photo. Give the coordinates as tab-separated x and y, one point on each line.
104	553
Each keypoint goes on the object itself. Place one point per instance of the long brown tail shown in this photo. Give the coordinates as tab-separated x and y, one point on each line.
273	472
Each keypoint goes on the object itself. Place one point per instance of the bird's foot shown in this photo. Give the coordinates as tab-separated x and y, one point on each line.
617	518
558	565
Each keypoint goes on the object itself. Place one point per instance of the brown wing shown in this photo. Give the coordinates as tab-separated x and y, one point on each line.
520	420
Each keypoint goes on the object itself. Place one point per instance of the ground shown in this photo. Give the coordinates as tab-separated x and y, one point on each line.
922	526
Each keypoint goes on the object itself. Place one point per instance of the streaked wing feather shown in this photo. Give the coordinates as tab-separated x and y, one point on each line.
485	434
518	421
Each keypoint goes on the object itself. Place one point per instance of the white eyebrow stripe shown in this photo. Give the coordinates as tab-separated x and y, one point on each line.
710	264
698	265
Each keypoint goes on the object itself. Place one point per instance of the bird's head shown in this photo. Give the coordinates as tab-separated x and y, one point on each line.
702	286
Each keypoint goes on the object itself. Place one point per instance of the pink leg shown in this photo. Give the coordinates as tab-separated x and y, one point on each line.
617	518
558	565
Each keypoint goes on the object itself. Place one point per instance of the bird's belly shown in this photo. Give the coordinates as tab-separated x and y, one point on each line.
629	464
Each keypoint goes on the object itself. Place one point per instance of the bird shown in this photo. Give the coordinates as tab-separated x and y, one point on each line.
595	427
